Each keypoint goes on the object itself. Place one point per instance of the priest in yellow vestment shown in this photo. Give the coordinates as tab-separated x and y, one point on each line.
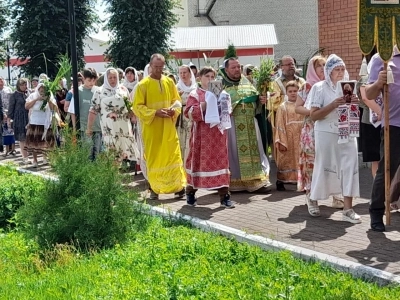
154	106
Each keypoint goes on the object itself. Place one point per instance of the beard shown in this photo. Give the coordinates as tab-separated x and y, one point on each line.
290	72
234	76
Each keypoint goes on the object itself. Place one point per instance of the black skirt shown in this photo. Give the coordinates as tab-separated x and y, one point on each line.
370	140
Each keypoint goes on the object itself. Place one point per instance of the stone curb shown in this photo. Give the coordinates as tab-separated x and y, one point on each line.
357	270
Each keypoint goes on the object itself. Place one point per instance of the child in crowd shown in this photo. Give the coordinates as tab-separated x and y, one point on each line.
287	138
86	92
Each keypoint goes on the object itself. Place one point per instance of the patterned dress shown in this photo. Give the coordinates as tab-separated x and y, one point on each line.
183	126
287	133
307	148
115	122
207	163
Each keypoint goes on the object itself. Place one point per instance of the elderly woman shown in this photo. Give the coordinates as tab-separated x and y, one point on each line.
336	164
19	115
39	136
315	73
110	102
186	84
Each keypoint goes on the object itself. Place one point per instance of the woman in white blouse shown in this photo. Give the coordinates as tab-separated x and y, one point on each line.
336	164
39	135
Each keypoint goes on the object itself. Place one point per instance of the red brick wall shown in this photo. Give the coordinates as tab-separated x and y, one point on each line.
337	20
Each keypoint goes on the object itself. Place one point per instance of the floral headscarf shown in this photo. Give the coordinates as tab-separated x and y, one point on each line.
333	62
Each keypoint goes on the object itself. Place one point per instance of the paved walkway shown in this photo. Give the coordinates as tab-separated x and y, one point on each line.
283	216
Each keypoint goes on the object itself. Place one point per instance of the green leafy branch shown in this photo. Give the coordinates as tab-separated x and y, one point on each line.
51	87
264	75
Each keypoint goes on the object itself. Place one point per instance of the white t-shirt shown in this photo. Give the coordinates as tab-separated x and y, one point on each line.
37	116
320	96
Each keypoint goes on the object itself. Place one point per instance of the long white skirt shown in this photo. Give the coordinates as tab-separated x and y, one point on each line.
335	167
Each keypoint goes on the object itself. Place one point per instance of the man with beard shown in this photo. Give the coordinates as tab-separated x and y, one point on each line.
288	73
248	163
288	68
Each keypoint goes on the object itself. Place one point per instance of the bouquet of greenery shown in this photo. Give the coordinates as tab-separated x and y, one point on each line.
263	76
128	104
51	87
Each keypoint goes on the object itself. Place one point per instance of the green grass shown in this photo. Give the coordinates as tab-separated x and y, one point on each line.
167	260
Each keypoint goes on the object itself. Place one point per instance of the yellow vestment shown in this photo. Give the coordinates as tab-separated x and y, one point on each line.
160	139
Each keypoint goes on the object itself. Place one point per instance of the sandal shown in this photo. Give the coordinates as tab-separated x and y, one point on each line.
313	208
12	152
337	202
394	205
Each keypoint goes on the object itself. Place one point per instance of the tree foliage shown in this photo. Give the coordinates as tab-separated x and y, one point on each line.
231	51
139	29
41	32
4	24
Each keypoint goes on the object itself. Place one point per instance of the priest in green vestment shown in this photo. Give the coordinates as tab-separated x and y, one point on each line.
248	162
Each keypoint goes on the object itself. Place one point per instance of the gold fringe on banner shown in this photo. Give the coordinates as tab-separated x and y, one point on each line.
378	25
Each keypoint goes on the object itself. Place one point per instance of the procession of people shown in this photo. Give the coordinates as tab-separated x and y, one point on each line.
204	129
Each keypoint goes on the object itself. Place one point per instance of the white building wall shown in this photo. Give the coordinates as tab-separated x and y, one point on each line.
216	62
296	21
183	14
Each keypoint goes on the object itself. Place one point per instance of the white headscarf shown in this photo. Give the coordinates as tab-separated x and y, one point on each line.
130	85
35	95
185	88
248	66
43	77
333	62
146	71
106	84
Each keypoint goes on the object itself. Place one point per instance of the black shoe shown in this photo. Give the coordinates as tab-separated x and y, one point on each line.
377	222
264	190
191	199
132	165
180	195
280	186
226	202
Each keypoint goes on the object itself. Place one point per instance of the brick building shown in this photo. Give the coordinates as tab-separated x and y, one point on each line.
337	22
296	21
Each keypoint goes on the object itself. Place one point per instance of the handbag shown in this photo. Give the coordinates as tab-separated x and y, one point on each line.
8	135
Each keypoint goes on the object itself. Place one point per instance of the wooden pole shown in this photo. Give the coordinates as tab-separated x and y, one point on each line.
386	139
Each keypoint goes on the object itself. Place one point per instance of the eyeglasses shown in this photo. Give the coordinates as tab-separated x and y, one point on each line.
289	65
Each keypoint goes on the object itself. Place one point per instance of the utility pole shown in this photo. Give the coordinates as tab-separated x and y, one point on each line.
74	60
8	61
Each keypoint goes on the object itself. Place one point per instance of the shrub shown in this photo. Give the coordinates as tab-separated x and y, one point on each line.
87	206
15	190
